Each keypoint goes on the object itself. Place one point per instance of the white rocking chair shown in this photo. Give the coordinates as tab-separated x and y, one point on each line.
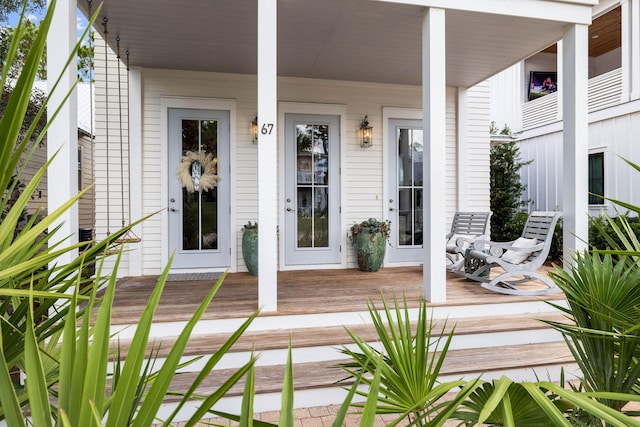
520	259
466	228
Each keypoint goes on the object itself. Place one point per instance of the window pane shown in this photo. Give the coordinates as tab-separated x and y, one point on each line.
596	178
200	208
312	181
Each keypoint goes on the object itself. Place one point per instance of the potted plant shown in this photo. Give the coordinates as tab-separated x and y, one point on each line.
370	242
250	247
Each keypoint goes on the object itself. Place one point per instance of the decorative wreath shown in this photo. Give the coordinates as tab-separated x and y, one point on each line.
198	172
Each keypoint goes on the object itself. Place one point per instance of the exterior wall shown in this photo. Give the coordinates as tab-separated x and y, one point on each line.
478	149
612	131
39	197
365	179
86	209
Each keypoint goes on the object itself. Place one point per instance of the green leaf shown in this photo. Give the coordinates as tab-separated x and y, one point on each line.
246	413
546	405
120	410
8	397
158	390
286	410
36	383
95	383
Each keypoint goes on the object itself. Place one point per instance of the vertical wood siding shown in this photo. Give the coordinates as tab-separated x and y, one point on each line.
616	137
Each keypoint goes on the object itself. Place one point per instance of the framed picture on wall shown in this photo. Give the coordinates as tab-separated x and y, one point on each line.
542	83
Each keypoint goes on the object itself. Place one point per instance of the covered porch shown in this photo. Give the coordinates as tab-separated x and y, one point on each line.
346	59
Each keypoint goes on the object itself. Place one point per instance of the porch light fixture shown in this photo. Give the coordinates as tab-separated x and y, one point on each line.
254	130
366	133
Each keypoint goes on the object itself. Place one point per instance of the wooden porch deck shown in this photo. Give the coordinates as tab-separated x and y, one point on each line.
299	292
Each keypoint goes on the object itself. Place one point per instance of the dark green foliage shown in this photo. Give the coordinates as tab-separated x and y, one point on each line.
599	227
506	190
555	253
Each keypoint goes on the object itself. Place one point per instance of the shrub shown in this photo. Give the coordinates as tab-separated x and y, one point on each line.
506	190
600	230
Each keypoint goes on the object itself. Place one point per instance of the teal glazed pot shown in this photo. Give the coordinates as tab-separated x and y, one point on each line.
370	250
250	250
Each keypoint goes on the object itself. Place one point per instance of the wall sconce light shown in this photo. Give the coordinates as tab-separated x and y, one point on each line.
254	130
366	133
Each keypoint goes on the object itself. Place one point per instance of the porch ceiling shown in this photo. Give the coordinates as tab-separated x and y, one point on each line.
354	40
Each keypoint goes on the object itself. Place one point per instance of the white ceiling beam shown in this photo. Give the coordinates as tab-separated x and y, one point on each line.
577	12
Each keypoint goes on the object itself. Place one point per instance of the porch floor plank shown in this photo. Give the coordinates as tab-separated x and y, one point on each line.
299	292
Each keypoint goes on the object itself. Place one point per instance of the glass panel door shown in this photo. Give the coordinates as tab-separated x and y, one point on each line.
199	228
406	190
312	205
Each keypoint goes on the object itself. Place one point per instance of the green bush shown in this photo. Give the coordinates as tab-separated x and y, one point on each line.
600	230
506	191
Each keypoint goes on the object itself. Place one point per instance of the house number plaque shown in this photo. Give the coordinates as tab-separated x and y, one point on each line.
267	128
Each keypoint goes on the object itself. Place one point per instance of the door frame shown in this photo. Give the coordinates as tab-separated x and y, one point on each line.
187	103
312	109
393	113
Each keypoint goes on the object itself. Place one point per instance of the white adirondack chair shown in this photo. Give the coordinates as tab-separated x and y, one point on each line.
520	259
466	228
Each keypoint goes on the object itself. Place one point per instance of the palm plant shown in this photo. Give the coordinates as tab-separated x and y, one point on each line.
404	374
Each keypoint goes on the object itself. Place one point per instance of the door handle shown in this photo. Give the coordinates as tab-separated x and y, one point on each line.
289	210
173	209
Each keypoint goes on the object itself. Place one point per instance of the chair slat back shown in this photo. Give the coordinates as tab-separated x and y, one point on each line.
470	223
541	225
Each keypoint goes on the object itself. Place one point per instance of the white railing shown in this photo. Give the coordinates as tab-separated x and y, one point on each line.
540	111
605	91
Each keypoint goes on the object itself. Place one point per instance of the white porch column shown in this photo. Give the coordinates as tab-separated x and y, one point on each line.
433	103
630	21
267	155
575	139
62	176
463	158
135	166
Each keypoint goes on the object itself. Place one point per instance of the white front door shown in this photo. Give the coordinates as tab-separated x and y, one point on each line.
312	189
199	224
405	190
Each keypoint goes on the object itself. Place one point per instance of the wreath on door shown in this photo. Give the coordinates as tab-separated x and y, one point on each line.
198	172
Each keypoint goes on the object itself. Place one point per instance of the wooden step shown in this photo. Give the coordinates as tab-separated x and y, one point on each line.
337	335
458	363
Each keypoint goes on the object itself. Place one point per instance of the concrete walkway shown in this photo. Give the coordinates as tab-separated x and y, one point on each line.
319	416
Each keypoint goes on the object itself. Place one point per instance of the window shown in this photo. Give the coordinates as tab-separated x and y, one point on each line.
596	178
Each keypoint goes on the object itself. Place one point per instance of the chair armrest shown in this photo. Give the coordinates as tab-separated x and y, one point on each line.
481	244
498	249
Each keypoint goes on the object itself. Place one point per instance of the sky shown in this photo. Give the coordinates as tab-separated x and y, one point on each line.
81	20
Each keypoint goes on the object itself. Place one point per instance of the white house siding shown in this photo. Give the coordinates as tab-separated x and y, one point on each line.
613	131
364	178
507	96
478	149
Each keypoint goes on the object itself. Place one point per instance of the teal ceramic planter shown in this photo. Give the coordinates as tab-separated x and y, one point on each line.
250	250
370	250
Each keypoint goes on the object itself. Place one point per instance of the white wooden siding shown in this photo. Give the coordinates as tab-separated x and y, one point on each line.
479	148
364	171
614	136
